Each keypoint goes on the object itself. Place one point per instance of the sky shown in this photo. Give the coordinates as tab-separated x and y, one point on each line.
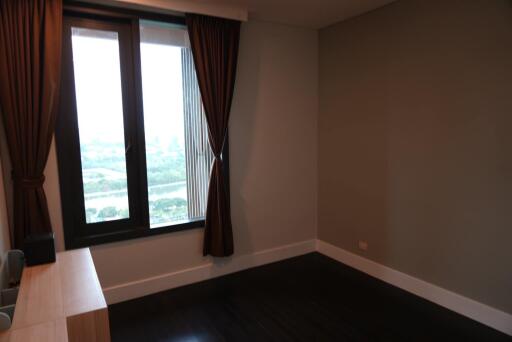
98	89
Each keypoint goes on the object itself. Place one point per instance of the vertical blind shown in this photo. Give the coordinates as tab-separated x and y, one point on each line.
198	154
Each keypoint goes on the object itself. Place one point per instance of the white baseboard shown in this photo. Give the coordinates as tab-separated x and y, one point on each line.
482	313
213	269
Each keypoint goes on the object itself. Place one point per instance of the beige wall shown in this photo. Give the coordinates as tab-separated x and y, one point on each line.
415	143
272	150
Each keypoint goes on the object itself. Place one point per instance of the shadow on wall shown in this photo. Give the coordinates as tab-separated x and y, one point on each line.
6	194
243	111
4	223
415	142
354	152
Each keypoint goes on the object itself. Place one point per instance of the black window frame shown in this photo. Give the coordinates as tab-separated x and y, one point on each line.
76	232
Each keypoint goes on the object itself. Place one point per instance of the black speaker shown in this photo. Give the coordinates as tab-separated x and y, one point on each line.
39	249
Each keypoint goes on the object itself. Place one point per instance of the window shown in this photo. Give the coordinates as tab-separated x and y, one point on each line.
132	139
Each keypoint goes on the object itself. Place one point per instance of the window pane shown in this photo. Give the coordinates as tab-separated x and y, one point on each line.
172	168
100	123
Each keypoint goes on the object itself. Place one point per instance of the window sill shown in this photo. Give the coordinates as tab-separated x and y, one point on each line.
130	234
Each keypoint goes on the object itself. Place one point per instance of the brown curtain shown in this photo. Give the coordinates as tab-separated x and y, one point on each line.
214	43
30	49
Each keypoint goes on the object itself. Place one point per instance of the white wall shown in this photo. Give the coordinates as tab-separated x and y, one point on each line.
272	162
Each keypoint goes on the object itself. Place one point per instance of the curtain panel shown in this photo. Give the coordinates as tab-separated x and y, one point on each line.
30	55
214	43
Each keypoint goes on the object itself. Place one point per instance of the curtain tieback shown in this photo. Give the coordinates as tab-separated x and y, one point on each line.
29	183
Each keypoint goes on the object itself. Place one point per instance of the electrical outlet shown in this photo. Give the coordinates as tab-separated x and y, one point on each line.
363	245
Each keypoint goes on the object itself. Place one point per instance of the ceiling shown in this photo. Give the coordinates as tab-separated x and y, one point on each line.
306	13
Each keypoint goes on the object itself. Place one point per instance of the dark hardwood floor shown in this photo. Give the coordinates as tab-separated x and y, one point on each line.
308	298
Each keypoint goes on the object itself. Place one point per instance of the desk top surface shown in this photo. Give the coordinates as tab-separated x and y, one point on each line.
50	293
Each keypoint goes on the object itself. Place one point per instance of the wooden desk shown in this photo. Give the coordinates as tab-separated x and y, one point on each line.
61	301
